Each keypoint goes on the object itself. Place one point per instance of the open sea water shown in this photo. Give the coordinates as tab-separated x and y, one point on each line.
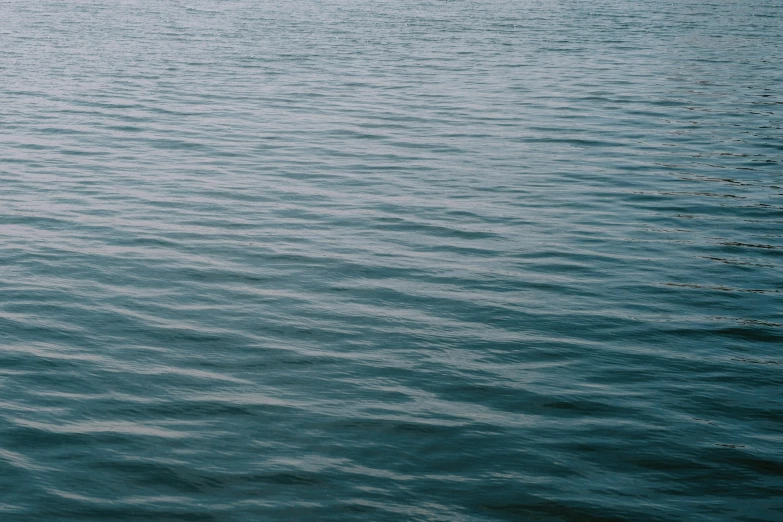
342	260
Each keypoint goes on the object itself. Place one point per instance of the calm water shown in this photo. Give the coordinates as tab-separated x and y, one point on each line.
462	260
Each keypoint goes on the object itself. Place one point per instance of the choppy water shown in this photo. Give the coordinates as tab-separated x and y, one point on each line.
461	260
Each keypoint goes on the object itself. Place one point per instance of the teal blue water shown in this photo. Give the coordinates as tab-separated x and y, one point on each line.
470	260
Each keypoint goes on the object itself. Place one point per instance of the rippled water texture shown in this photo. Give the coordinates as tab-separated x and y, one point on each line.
463	260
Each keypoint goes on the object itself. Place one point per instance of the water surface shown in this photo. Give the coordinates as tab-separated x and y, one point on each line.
466	260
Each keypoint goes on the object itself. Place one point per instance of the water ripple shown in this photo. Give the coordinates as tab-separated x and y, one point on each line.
443	260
